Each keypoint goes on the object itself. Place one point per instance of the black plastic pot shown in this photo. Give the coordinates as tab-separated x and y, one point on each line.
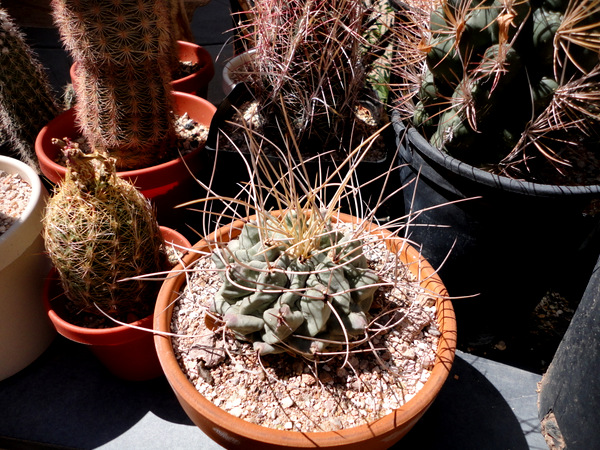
231	167
569	399
504	239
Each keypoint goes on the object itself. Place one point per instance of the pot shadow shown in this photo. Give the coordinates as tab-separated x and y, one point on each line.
470	413
68	397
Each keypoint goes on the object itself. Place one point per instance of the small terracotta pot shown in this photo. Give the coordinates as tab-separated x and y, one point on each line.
127	352
233	432
152	181
197	82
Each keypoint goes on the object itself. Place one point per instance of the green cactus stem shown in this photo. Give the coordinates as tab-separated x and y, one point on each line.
284	299
27	101
98	230
123	50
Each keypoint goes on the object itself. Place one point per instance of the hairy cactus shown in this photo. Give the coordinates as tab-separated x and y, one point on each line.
314	61
504	77
296	295
27	101
98	230
123	51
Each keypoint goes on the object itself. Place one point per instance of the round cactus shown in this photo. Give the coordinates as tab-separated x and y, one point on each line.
99	230
289	295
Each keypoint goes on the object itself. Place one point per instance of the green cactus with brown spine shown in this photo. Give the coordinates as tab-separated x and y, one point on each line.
98	230
293	283
505	82
123	51
27	101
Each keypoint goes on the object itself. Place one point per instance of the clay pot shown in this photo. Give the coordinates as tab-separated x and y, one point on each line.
233	432
151	181
25	331
197	82
166	185
125	351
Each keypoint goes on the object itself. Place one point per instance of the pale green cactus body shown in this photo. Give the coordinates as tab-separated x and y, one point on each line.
283	301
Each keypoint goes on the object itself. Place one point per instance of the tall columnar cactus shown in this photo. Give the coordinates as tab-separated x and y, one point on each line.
287	293
98	230
27	101
123	50
503	77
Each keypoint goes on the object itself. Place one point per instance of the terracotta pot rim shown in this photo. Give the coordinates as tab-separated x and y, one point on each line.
409	413
206	71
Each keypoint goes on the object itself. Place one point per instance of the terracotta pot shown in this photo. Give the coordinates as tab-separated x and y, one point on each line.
197	82
127	352
152	181
233	432
25	331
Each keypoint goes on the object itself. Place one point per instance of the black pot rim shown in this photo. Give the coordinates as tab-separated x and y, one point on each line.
483	177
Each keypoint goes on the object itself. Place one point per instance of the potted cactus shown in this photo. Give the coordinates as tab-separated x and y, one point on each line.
27	102
496	119
319	66
99	231
289	295
123	55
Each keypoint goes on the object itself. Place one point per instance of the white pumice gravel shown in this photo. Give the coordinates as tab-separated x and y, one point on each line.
14	197
284	392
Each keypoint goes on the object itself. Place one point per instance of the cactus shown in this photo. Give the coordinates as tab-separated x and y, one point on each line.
290	289
503	76
123	51
27	101
98	230
314	61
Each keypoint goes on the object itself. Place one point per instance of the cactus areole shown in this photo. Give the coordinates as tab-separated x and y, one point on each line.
289	294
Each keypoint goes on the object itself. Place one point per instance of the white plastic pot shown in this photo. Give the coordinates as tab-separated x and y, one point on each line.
232	65
25	329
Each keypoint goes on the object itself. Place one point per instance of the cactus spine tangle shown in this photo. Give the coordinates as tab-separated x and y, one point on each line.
27	102
123	51
290	293
98	231
506	84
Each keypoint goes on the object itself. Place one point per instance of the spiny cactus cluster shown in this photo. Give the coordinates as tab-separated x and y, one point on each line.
295	295
504	79
313	61
27	101
123	51
98	230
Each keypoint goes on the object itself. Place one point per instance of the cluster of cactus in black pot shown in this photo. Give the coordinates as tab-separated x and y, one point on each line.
502	82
